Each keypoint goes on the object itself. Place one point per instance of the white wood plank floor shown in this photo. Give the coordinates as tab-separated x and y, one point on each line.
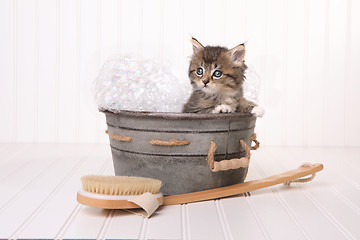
38	184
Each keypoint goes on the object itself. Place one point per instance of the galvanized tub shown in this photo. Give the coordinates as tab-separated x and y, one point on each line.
182	169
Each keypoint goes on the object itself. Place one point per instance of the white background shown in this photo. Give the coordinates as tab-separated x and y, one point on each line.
306	52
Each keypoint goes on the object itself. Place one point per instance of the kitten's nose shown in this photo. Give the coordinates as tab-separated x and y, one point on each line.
205	81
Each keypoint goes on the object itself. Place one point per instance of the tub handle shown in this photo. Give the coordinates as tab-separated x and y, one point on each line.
257	143
172	142
234	163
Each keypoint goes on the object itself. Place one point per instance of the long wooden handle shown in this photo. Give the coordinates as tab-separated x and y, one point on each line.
243	187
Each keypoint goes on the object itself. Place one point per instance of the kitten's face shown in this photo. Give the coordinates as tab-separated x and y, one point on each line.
217	69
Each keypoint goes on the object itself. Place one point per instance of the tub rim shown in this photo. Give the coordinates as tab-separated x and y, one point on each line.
179	116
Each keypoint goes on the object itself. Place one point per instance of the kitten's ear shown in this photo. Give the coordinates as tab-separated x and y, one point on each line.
196	46
237	55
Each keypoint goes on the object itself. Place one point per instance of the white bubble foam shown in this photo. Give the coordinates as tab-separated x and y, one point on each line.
131	83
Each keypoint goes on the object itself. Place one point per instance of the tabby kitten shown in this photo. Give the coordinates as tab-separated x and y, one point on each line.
217	75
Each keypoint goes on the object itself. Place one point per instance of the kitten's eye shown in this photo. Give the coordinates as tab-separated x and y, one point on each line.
217	74
199	72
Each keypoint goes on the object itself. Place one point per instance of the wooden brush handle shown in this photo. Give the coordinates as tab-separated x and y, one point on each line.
243	187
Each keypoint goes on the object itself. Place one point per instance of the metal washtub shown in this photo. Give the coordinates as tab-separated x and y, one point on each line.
182	168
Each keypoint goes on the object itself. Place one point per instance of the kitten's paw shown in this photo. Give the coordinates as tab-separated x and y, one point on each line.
223	108
258	111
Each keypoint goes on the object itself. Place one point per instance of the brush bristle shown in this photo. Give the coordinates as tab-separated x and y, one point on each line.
120	185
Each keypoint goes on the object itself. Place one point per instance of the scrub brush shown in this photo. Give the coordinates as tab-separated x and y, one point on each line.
113	192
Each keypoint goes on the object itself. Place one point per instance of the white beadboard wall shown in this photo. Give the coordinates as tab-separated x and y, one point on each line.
306	52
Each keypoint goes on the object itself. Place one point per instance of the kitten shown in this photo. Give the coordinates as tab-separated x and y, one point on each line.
217	75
